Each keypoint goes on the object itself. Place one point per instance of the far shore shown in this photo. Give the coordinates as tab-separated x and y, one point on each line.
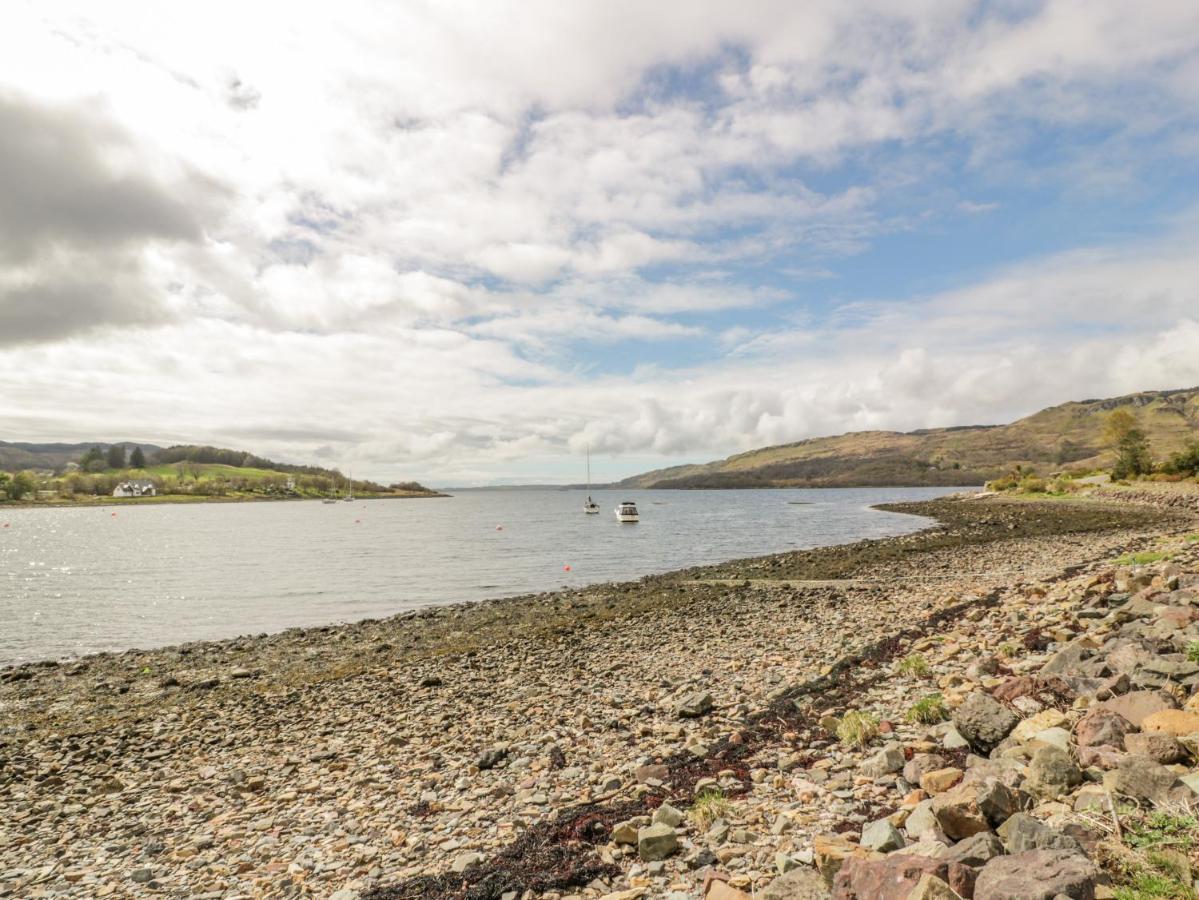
192	498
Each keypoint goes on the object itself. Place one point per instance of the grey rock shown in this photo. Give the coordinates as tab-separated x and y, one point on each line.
1022	832
1051	773
975	851
1037	875
667	815
983	721
1140	778
921	764
798	884
656	842
888	760
464	861
881	836
694	705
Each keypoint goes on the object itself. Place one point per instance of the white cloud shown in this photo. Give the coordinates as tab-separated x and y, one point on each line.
403	220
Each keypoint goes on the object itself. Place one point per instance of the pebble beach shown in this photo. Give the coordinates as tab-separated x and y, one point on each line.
676	736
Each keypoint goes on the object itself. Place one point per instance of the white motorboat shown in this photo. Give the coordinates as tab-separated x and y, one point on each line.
627	511
590	507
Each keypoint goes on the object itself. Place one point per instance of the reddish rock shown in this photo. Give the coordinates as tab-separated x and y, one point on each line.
893	877
1158	746
1102	726
1019	686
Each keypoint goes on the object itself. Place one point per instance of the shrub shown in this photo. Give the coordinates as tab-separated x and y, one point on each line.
928	711
914	664
857	729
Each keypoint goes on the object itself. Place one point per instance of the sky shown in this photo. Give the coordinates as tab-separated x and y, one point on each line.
462	242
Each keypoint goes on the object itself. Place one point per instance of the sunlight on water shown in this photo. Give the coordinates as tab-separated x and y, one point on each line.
79	580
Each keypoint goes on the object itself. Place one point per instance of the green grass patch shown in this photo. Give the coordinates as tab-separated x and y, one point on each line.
857	729
928	711
1192	538
1142	559
914	664
708	807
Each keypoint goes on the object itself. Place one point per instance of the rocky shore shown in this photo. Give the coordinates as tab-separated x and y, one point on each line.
980	709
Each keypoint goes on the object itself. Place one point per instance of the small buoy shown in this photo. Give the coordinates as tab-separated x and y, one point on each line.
5	524
566	568
499	527
357	521
114	515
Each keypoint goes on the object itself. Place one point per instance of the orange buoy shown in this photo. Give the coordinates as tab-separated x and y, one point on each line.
566	568
499	527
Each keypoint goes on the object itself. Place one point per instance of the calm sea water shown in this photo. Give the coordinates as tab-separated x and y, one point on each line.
75	581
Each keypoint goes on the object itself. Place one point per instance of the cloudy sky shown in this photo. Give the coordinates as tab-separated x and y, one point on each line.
460	241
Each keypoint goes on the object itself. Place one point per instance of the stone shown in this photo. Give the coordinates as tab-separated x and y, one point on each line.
957	812
921	821
922	763
1136	705
1050	737
983	721
1140	778
656	842
489	759
953	740
464	861
886	761
1046	718
1176	722
940	780
1157	745
975	851
831	852
141	876
1022	832
626	832
930	887
893	877
667	815
1102	727
1051	773
974	807
1067	661
722	890
693	705
881	836
798	884
1037	875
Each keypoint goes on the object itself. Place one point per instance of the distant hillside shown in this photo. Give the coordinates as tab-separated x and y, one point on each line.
1069	436
17	456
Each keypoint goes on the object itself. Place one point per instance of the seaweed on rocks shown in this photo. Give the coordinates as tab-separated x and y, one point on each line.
549	856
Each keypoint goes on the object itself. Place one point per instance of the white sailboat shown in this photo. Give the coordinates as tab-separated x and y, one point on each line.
349	497
591	508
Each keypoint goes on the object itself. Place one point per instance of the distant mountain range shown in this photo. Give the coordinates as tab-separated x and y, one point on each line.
1069	436
16	456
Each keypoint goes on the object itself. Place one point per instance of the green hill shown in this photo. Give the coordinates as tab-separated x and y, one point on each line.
58	473
1066	437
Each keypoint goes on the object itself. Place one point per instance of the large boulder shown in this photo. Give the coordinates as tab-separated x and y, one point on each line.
974	807
798	884
1051	773
1176	722
1102	727
1157	745
1022	833
657	842
1037	875
1140	778
983	721
1136	705
975	851
892	878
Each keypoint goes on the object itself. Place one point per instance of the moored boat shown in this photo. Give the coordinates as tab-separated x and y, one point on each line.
627	511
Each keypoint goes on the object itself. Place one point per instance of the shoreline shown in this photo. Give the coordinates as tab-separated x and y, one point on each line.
186	499
360	757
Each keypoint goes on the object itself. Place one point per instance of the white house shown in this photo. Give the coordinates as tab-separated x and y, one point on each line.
135	489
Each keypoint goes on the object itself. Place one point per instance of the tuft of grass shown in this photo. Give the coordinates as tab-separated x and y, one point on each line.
1008	649
1193	651
708	807
1192	538
914	664
928	710
1142	559
857	729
